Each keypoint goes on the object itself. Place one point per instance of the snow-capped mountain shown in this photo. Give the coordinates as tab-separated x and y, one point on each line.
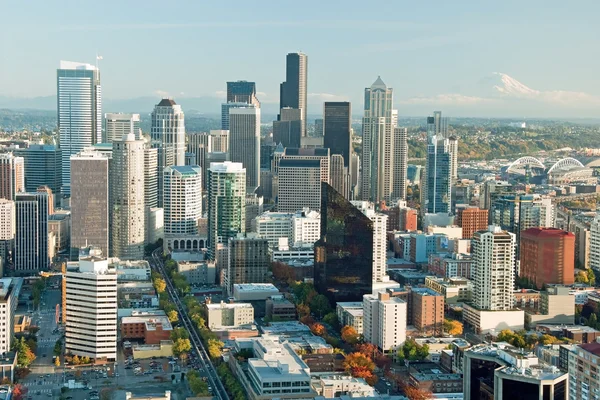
508	85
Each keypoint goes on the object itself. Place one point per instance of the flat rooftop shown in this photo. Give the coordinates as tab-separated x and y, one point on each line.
255	287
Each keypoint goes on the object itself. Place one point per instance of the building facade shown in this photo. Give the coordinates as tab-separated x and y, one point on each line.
43	165
116	125
182	206
249	260
293	92
31	237
12	176
244	141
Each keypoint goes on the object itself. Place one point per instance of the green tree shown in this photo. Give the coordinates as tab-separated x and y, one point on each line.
57	348
320	305
197	385
412	351
332	320
24	354
181	346
591	277
215	348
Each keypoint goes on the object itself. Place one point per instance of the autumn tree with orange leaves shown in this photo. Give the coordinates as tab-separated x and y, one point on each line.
318	329
349	335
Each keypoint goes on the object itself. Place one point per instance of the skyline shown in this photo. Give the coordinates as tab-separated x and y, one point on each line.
525	47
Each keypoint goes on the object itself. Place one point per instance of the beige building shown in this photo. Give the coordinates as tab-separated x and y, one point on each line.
455	290
384	320
229	315
557	307
351	314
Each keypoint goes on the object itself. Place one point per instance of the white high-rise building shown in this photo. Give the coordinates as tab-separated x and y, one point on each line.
244	141
12	175
90	201
182	206
595	243
118	124
9	298
91	309
273	226
127	198
306	228
79	96
494	263
168	136
378	143
226	203
7	219
379	239
384	320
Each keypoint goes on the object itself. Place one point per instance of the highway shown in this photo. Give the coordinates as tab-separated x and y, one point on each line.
213	379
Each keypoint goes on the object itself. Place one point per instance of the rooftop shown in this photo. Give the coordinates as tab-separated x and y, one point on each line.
228	305
255	287
166	103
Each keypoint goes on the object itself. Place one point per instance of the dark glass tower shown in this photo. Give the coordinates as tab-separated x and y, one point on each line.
292	92
242	92
336	128
344	254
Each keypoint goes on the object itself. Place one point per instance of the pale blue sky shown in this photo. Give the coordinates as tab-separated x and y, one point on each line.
420	48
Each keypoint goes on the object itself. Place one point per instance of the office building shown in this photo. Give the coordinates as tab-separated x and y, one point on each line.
244	141
344	253
203	144
31	236
116	125
453	143
182	206
229	315
273	226
500	371
378	144
12	176
226	203
448	265
516	213
59	225
492	189
300	173
293	91
379	240
455	290
471	219
249	260
91	309
89	201
9	298
437	189
167	134
7	228
150	188
287	130
427	308
151	327
337	125
547	256
306	228
242	92
408	219
42	164
79	100
339	175
384	320
128	213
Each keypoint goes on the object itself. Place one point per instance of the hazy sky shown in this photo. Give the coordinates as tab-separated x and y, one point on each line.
422	49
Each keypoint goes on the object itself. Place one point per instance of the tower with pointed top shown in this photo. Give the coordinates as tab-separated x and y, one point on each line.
378	154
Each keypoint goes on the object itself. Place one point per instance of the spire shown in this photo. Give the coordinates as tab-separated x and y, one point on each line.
378	84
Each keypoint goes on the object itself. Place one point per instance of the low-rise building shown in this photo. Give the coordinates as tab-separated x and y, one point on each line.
351	314
430	377
131	270
151	327
198	272
449	265
427	311
332	386
226	315
136	294
254	291
557	306
486	321
280	309
455	290
528	299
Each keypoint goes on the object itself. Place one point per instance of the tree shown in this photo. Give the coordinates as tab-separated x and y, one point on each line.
173	316
215	348
160	285
354	360
582	277
320	305
332	320
453	327
591	277
24	354
414	393
181	346
368	349
18	392
412	351
363	372
57	348
76	360
85	360
303	310
318	329
349	335
546	339
57	361
197	385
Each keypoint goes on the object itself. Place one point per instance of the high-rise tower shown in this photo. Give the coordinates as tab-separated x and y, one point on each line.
244	141
79	101
31	238
242	92
12	176
168	136
118	124
293	92
337	126
127	198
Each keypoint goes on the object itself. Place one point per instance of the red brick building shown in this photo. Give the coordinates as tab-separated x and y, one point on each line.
547	256
471	219
408	219
151	328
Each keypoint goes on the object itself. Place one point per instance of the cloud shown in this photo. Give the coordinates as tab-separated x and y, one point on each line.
327	97
221	93
161	93
447	99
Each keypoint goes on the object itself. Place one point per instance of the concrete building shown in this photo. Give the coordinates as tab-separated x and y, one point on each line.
91	309
254	291
547	256
31	233
244	142
379	239
408	219
277	308
351	313
287	129
226	203
167	134
7	228
471	219
151	327
9	297
43	166
454	290
79	112
12	176
182	207
300	173
90	197
249	260
339	176
502	372
427	311
306	228
384	320
150	190
451	265
337	126
594	244
273	226
201	272
229	315
400	159
583	381
118	124
557	306
516	213
127	182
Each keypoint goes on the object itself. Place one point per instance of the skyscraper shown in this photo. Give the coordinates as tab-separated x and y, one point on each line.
494	260
12	175
339	177
203	143
127	182
249	260
244	142
378	143
43	165
336	128
287	130
242	92
31	238
168	136
293	92
89	201
226	203
183	206
344	253
438	172
79	100
118	124
379	239
150	188
400	163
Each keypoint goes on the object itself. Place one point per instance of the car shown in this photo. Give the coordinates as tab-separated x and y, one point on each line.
44	355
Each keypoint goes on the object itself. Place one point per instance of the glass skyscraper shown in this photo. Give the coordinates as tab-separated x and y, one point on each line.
344	254
336	128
